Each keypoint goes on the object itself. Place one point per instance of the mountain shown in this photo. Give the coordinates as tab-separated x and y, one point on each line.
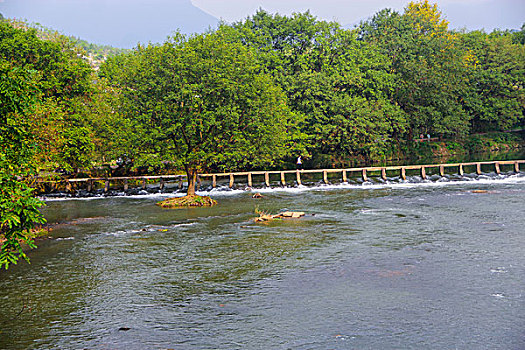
119	23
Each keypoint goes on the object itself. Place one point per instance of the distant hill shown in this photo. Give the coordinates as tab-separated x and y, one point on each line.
119	23
94	54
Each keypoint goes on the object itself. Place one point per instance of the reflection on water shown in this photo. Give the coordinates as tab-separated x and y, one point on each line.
409	266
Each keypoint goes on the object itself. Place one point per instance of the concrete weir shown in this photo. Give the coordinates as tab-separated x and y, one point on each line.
89	184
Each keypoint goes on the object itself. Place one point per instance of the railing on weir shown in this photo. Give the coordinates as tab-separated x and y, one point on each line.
364	172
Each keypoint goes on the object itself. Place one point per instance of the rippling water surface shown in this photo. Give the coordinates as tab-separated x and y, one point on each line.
433	265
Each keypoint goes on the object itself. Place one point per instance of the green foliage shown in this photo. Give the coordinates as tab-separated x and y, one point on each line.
362	94
65	85
429	66
453	146
496	95
76	148
62	74
339	84
493	141
201	102
262	91
18	209
518	37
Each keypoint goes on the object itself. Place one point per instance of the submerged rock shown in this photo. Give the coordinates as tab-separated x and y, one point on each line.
290	214
186	202
284	215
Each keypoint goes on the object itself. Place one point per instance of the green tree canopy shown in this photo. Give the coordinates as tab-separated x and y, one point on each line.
201	102
64	82
340	85
496	91
430	66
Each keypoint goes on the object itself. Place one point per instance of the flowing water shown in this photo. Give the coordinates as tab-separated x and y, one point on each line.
416	265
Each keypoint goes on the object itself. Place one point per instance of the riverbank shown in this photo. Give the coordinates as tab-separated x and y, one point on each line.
476	147
497	142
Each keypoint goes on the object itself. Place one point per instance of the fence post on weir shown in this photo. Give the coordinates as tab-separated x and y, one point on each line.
267	179
198	182
478	168
231	180
298	175
345	179
516	167
496	168
250	183
214	181
460	170
403	173
143	184
423	173
180	182
383	173
90	186
283	180
161	183
126	186
106	185
441	170
325	177
363	175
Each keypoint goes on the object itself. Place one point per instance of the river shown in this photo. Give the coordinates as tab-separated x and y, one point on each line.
416	265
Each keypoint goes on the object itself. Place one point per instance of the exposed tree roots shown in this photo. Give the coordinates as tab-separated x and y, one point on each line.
186	202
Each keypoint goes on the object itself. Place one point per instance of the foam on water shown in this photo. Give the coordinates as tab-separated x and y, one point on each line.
149	229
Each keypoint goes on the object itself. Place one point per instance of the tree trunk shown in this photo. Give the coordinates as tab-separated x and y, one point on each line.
192	179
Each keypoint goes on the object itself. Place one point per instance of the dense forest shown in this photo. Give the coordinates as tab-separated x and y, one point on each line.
328	93
253	94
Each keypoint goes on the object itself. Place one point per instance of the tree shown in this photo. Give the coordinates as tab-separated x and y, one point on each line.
201	102
65	83
430	66
518	37
496	98
19	210
339	84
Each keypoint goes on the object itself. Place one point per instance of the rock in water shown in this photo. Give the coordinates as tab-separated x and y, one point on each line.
284	215
290	214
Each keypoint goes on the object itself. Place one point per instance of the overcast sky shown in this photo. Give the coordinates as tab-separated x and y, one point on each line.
471	14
